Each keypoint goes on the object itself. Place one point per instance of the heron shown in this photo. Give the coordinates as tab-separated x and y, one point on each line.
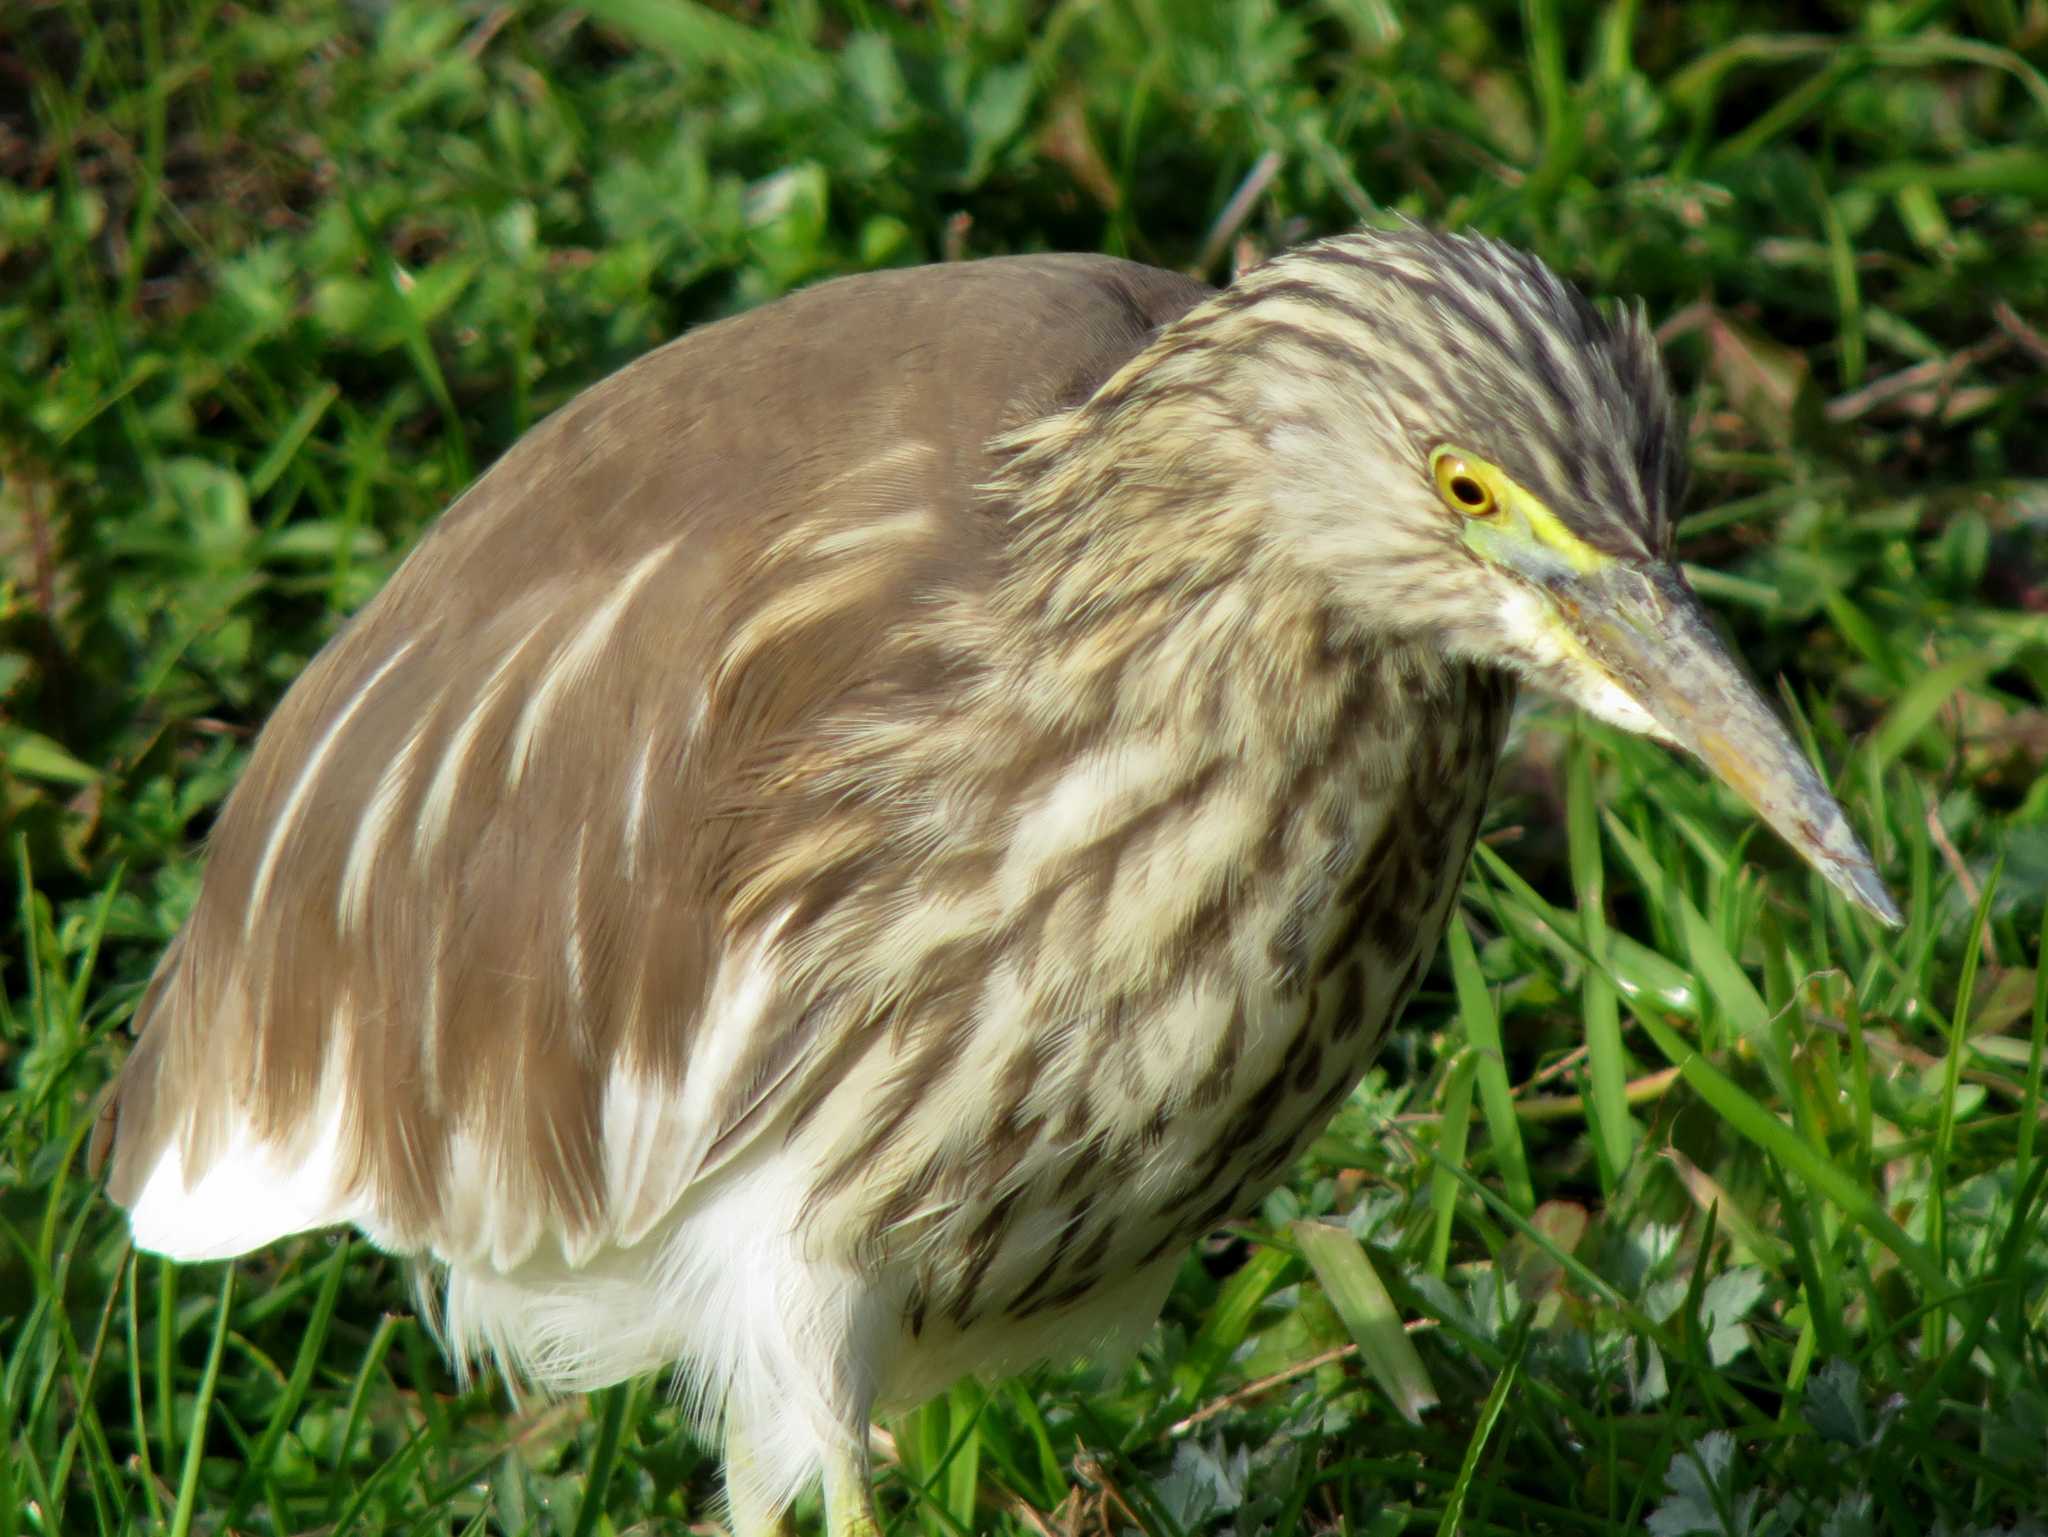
875	826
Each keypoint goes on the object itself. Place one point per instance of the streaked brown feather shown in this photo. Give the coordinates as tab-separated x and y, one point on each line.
767	450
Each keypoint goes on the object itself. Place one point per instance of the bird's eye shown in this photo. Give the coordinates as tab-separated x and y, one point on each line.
1461	485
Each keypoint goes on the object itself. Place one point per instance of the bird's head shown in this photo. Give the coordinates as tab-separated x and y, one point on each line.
1464	450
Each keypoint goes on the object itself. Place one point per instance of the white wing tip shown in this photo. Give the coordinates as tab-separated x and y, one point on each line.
254	1193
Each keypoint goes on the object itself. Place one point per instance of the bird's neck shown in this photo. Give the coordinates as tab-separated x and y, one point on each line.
1141	590
1189	752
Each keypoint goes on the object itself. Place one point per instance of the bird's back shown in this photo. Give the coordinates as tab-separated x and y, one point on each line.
478	862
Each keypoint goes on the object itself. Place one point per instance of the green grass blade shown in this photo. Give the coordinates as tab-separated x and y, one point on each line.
1482	1034
1722	975
1229	1320
391	1471
139	1416
963	1457
1454	1129
292	438
1635	970
195	1444
1936	1325
1483	1427
1923	699
1606	1061
165	1356
1360	1298
340	1495
603	1458
1051	1480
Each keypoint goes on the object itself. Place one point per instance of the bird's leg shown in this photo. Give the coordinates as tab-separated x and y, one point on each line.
849	1493
747	1516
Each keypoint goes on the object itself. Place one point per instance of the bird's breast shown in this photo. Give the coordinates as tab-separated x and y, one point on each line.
1184	964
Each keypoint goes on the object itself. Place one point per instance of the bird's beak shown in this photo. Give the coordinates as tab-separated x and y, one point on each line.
1644	629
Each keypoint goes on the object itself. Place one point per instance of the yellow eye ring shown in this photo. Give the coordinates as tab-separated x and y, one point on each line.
1463	486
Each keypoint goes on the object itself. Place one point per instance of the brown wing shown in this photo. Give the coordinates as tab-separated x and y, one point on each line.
481	855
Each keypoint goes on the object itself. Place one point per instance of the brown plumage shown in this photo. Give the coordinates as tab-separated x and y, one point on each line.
875	825
771	541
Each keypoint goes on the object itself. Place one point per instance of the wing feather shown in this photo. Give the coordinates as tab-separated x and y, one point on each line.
473	964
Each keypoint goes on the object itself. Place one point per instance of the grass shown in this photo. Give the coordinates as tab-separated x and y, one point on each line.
1686	1200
